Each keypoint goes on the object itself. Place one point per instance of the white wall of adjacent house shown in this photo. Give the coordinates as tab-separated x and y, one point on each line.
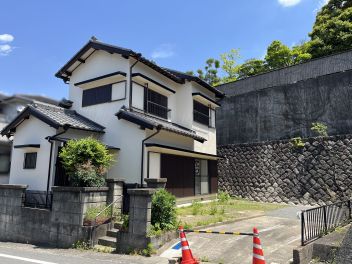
31	131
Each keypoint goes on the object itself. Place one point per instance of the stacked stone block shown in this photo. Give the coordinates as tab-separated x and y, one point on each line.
277	171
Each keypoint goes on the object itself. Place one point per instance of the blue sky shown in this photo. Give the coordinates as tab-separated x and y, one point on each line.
37	37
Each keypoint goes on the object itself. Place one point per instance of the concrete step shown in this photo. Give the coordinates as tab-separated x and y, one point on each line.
107	241
112	232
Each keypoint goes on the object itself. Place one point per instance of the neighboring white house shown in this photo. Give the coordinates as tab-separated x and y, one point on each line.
158	122
10	106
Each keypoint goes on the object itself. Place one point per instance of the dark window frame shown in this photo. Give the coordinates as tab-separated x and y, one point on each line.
97	95
199	113
27	157
155	103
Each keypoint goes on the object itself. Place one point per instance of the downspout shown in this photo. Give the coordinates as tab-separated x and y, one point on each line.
130	95
50	138
158	128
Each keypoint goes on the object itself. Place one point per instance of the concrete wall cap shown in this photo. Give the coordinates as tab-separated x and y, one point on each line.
115	180
153	180
13	186
141	191
79	189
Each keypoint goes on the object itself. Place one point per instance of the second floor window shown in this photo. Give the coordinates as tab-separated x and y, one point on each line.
97	95
200	113
30	160
155	103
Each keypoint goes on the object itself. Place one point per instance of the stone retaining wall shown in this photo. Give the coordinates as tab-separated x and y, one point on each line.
276	171
60	227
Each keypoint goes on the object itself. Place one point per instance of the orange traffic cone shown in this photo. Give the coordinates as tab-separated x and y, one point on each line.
187	257
258	254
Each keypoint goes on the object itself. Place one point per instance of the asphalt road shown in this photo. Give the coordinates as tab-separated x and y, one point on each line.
13	253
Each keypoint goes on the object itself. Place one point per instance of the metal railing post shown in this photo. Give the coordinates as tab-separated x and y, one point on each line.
302	228
325	219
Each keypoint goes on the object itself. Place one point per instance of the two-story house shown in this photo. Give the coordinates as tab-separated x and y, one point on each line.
10	106
159	123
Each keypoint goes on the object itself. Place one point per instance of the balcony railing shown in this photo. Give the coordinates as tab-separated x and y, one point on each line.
158	110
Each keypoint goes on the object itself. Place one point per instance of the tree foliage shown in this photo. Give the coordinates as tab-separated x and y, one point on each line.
163	210
86	161
210	73
332	30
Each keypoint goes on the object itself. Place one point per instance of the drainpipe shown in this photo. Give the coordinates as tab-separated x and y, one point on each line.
158	128
130	98
50	138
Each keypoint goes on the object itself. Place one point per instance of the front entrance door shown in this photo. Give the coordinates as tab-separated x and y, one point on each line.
179	172
61	177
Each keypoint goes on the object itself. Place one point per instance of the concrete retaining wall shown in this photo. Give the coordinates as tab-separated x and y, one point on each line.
276	171
284	103
60	227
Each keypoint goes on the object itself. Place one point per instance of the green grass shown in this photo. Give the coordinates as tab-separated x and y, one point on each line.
200	214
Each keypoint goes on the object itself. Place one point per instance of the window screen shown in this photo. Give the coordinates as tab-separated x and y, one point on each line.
30	160
200	113
155	103
99	95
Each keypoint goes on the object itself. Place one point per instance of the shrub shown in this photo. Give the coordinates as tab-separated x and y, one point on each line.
163	210
297	142
104	216
320	128
86	175
223	197
86	161
196	208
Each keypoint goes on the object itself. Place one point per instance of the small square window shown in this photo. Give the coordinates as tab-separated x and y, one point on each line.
30	160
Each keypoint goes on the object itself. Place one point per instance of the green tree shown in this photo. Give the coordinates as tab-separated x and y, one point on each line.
251	67
278	55
229	65
210	73
332	30
300	53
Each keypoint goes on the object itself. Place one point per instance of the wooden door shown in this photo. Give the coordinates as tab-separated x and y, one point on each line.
179	172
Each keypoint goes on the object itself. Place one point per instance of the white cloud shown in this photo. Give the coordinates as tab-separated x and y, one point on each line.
288	3
163	51
6	38
5	49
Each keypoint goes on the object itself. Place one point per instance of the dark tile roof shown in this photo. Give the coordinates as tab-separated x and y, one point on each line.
150	122
64	73
54	116
178	77
197	80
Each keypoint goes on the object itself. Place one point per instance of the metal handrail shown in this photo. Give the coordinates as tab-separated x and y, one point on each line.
102	211
92	233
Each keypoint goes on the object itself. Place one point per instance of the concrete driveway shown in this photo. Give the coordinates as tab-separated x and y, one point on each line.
279	233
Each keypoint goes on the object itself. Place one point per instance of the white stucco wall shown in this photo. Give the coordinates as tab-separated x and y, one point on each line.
31	131
126	135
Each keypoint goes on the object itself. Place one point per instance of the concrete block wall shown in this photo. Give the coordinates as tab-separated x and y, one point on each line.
60	227
276	171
